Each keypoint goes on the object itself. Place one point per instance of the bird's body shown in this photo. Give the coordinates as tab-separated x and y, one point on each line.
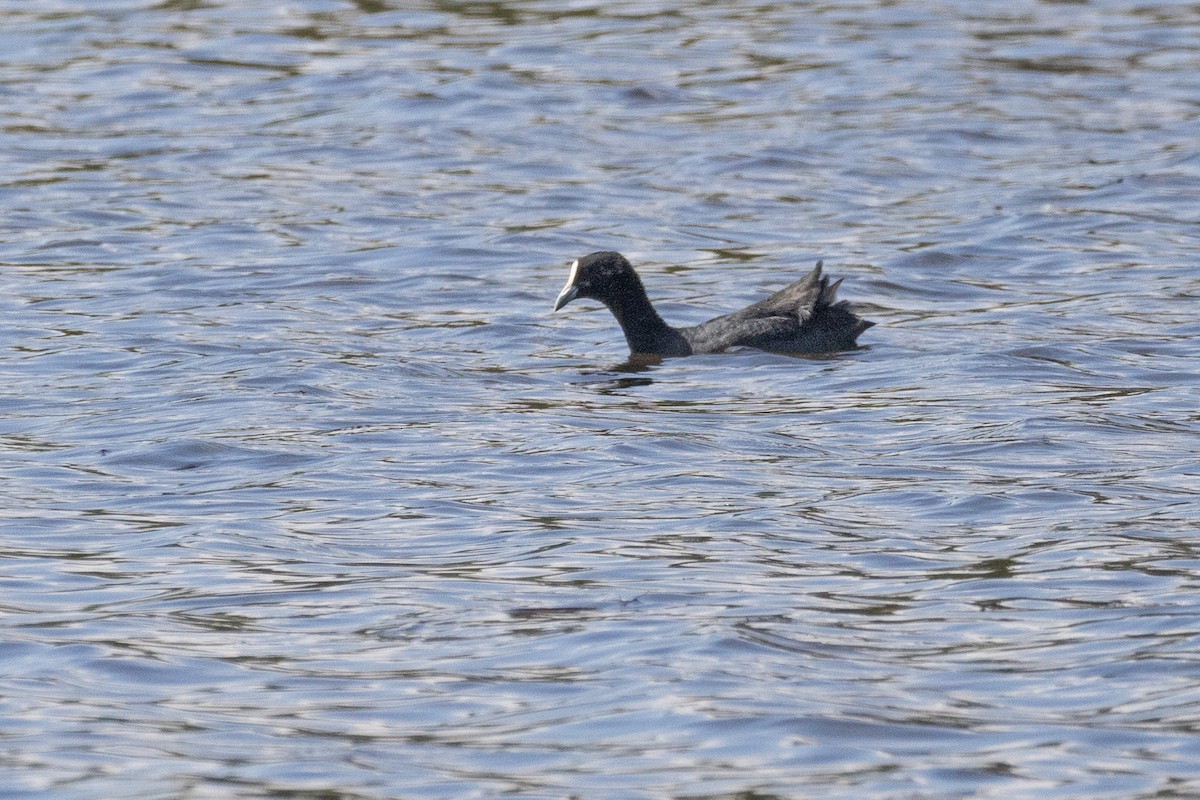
803	318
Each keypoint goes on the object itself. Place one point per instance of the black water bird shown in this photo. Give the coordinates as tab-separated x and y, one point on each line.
803	318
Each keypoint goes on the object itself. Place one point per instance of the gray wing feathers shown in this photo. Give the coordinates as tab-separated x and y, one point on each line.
800	299
802	317
709	338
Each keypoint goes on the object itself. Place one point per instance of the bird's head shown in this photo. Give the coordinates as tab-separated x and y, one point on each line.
603	276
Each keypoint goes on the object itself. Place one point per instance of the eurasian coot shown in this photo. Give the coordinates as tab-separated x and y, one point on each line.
801	319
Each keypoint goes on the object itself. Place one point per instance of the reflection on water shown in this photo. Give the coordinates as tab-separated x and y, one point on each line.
307	493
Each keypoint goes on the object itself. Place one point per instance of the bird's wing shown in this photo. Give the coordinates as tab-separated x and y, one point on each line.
799	299
781	322
734	330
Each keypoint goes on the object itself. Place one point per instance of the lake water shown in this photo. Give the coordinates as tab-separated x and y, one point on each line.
307	494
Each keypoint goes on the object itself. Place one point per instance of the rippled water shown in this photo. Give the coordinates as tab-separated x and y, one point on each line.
307	494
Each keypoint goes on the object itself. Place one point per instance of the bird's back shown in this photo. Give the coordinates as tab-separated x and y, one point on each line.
803	317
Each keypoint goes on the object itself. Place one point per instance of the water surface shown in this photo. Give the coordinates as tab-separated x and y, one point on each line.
307	494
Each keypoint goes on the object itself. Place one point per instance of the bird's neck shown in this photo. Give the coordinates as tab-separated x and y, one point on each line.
645	330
